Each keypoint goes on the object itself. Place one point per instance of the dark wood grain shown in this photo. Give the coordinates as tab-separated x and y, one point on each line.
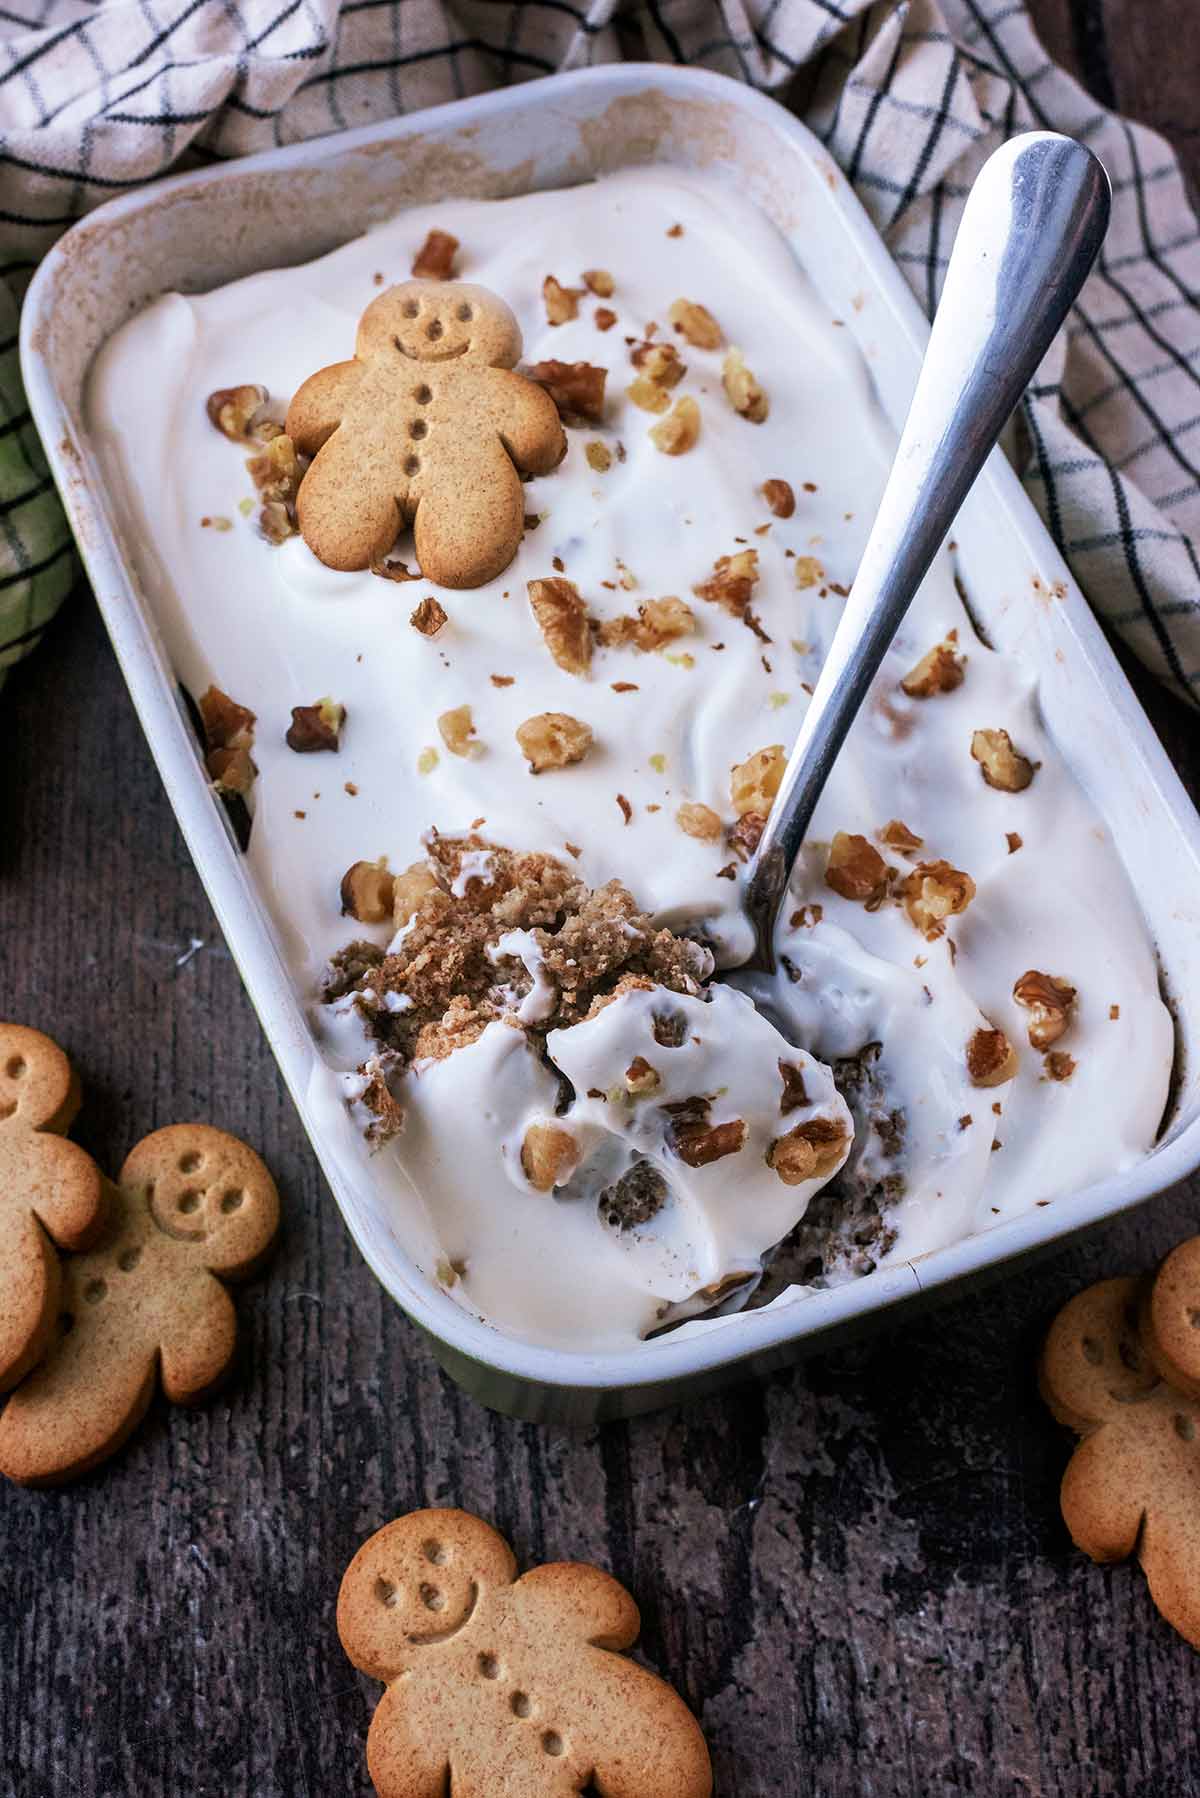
856	1572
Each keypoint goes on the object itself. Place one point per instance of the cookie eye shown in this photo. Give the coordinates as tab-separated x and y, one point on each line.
385	1592
94	1291
433	329
14	1067
189	1201
411	308
465	313
189	1163
232	1200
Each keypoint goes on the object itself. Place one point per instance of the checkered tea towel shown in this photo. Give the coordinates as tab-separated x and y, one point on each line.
910	96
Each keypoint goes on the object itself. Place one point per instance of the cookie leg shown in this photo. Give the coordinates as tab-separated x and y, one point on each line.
467	530
347	520
29	1302
80	1405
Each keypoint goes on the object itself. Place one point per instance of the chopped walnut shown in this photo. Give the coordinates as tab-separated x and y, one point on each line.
1002	766
680	430
549	1155
991	1058
378	1098
429	616
563	621
744	836
856	870
277	474
562	303
795	1093
316	727
553	740
235	410
731	583
811	1151
940	670
1059	1065
410	891
1014	841
699	1143
779	497
897	835
659	622
696	324
648	395
754	783
457	730
641	1078
660	363
434	261
745	395
367	892
696	820
809	572
232	770
933	892
1049	1002
600	282
599	457
227	725
577	389
394	571
605	318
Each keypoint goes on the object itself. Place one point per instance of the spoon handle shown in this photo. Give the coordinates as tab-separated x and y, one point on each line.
1030	231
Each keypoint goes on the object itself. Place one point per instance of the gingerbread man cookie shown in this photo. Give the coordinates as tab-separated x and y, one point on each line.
428	425
498	1685
51	1192
192	1203
1121	1367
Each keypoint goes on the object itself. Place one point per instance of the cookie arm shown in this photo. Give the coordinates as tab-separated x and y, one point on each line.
317	407
527	420
580	1601
404	1759
1102	1495
198	1344
67	1191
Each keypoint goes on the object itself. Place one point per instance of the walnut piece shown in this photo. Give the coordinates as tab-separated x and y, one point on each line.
232	770
940	670
699	1144
1059	1065
605	318
696	820
856	870
553	740
744	393
933	892
599	456
234	411
315	727
434	261
991	1058
599	281
658	362
743	837
754	783
577	389
731	583
779	497
659	622
811	1151
227	725
696	324
563	621
648	395
1049	1001
1002	766
809	572
897	835
562	303
276	473
641	1078
367	893
429	616
410	891
457	730
549	1155
680	430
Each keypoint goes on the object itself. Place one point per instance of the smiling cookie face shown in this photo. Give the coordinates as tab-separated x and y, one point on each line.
440	321
418	1582
206	1187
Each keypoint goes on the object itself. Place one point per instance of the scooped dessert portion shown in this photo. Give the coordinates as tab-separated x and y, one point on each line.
501	550
555	1064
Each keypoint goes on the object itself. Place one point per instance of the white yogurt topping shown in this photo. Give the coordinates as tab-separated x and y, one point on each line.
274	628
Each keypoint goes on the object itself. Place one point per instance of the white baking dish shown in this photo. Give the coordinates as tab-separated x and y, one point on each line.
200	230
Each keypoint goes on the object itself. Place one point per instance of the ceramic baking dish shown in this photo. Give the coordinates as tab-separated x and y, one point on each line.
197	231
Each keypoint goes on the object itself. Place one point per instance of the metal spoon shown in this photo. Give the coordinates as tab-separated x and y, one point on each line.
1032	226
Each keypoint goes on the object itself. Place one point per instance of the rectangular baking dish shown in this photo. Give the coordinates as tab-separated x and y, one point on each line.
197	231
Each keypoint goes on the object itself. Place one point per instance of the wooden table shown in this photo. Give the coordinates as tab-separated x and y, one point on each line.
856	1573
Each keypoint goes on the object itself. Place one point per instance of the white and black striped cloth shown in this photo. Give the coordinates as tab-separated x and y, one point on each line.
97	96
